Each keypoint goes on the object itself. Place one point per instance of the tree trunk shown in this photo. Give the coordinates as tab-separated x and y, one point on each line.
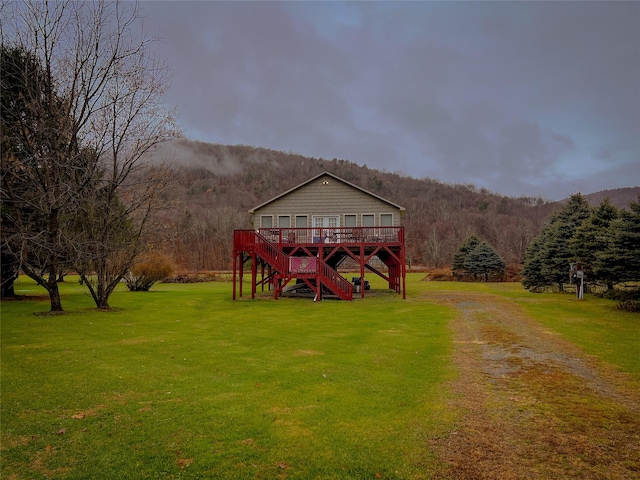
102	296
50	285
54	296
7	290
9	272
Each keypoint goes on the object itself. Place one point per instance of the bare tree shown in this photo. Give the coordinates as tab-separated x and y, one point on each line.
433	248
40	178
103	79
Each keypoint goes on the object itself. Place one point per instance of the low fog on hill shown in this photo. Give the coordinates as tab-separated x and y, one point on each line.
215	186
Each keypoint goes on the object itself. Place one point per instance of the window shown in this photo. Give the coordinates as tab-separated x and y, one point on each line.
301	221
332	221
349	220
324	228
284	221
368	220
386	219
266	221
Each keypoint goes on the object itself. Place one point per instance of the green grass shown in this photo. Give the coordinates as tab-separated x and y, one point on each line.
182	382
594	324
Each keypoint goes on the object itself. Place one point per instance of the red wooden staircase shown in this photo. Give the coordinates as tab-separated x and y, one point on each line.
316	274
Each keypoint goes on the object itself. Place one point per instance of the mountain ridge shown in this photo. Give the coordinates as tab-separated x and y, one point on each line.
215	185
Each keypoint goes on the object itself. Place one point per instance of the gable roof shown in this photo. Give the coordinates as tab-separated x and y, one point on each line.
335	178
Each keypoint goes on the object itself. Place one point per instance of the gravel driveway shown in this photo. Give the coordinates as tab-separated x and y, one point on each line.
531	404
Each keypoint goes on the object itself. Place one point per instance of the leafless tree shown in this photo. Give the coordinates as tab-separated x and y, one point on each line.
105	112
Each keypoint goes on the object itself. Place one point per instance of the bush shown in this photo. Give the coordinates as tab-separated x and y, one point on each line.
629	305
153	268
439	275
628	298
512	273
200	277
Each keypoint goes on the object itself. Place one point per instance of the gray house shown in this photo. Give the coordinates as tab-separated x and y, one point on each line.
326	201
308	231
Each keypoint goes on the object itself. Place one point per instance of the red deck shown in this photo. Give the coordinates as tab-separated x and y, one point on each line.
313	255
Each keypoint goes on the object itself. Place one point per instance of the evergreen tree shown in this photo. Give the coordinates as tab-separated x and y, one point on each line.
594	237
461	255
484	260
620	262
547	262
532	269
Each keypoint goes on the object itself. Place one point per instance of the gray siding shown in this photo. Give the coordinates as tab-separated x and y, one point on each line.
326	196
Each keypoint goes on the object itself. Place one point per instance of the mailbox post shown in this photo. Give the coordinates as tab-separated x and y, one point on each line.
576	273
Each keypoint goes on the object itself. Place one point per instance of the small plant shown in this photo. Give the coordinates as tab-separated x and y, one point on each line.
154	268
629	305
628	298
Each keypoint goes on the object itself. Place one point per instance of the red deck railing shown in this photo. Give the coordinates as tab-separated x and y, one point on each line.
279	260
352	235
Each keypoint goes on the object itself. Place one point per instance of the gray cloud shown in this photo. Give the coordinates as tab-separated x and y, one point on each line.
532	98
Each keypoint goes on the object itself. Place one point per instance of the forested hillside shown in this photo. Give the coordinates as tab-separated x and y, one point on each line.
214	187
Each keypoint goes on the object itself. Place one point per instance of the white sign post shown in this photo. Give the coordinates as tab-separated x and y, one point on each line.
577	276
580	284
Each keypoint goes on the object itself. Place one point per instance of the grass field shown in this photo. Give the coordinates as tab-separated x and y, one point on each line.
183	382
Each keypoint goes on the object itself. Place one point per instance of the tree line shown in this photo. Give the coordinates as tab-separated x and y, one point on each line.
215	186
604	240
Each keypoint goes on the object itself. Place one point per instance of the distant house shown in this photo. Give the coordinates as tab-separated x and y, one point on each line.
320	223
326	201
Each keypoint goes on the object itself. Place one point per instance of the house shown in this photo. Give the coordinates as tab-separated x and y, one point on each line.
306	232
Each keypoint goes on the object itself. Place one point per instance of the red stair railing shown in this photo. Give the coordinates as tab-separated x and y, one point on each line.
335	282
280	261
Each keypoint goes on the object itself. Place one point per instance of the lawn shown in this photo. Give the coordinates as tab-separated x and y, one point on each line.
183	382
594	324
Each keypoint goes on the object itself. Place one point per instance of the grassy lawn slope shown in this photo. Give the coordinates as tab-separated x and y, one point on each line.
459	380
182	382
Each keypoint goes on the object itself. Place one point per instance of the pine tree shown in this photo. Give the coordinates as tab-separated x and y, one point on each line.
620	261
594	237
532	269
461	255
484	260
548	262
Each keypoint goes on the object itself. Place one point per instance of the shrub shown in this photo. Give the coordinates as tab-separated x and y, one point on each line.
512	273
154	267
439	275
629	305
199	277
628	297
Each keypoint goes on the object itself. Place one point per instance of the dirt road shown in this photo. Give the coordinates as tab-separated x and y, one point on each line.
533	405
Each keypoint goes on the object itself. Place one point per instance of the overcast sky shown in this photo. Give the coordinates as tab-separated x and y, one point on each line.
535	98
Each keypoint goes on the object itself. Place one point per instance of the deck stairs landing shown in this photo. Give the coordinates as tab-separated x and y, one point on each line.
323	276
